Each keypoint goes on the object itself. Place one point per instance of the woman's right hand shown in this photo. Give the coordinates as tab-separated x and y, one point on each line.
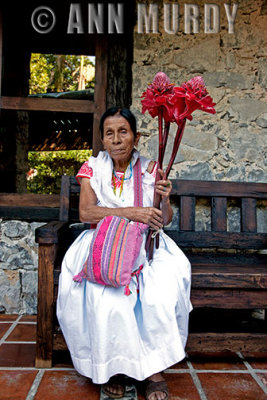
148	215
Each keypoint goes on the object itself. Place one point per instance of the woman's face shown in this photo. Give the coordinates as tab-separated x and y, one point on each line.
118	138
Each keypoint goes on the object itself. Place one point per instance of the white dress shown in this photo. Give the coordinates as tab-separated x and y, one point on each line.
108	332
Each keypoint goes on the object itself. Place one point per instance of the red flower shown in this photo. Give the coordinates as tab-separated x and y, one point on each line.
192	95
156	97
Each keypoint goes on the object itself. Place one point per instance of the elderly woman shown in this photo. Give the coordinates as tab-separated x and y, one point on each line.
110	334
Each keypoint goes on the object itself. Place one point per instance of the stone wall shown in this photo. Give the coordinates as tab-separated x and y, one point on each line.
18	267
230	145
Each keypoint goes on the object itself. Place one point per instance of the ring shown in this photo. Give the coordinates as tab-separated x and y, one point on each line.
168	184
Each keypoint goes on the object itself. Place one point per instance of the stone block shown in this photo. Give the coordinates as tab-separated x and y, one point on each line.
203	216
198	58
200	140
236	173
262	219
16	229
257	175
20	258
10	291
246	109
233	80
233	218
246	145
262	76
199	171
29	281
6	250
262	120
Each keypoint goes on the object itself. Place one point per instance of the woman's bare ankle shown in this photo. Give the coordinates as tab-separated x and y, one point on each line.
156	377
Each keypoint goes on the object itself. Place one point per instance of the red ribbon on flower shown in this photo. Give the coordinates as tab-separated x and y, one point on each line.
172	104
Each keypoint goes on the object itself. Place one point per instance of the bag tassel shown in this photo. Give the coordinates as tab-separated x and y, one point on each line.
127	291
79	278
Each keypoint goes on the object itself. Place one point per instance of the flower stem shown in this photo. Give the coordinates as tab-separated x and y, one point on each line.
165	136
176	144
160	155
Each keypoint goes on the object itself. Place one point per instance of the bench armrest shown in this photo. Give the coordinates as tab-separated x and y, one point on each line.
50	233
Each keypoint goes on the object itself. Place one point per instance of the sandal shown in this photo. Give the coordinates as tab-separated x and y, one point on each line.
116	380
152	387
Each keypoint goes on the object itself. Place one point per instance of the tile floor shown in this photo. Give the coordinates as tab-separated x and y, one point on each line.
209	376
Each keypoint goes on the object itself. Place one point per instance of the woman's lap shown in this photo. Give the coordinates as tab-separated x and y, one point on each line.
130	332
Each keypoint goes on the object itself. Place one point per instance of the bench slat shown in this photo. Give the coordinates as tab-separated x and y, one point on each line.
222	189
229	298
211	341
226	240
206	341
214	276
187	213
219	214
248	215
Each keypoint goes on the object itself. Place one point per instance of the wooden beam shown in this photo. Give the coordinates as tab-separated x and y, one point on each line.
29	200
222	341
1	49
41	214
46	104
100	91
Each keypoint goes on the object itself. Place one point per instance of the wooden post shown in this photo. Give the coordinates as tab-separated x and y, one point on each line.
1	50
100	91
44	339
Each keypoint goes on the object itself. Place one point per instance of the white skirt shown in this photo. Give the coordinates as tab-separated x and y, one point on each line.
138	335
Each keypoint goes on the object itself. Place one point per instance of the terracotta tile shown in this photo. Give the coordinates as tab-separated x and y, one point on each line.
216	360
8	317
230	386
17	355
181	387
256	360
3	328
180	365
23	333
15	385
62	359
263	378
28	318
67	385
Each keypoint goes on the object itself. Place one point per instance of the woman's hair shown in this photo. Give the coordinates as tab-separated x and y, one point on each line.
124	112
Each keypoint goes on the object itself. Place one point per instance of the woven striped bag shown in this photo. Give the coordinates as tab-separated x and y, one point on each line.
115	246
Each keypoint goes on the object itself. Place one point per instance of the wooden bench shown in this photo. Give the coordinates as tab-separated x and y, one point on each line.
229	268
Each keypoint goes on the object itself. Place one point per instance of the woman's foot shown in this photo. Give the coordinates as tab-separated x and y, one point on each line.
156	388
115	387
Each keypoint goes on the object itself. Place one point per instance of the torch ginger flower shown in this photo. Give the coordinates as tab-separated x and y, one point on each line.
172	104
156	97
191	96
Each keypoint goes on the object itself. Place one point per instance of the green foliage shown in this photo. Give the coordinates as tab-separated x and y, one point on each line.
47	167
58	73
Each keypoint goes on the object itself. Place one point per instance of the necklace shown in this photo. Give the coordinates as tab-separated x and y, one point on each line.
121	179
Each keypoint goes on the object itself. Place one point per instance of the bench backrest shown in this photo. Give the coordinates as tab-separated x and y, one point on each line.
248	197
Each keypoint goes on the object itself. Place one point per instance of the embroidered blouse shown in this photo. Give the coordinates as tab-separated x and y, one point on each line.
87	172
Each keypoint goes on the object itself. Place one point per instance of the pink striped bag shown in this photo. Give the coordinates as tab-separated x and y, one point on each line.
115	246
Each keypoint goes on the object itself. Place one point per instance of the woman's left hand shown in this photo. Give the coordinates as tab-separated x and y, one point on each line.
163	187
